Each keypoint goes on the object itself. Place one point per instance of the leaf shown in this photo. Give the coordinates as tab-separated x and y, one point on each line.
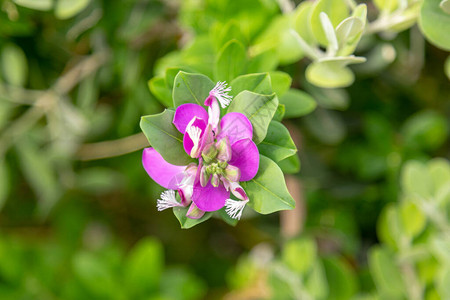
4	182
232	30
388	226
257	83
172	72
143	268
434	23
258	108
416	181
231	61
94	275
281	82
336	11
296	248
386	5
445	6
425	130
316	282
279	113
301	21
413	219
262	61
444	284
179	283
385	273
298	103
191	88
185	222
330	34
332	72
278	143
267	191
348	33
326	125
439	170
66	9
165	138
35	4
39	172
14	65
290	165
161	91
341	279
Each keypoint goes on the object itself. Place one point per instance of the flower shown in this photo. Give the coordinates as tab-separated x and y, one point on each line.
225	154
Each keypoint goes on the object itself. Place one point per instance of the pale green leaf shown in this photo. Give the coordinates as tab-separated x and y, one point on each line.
336	10
14	65
267	191
65	9
35	4
435	24
300	254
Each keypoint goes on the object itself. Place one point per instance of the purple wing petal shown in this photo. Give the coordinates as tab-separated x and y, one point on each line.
159	170
209	198
236	126
185	113
245	156
187	141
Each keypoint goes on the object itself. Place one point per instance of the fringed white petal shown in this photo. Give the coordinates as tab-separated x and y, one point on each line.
235	208
167	200
220	91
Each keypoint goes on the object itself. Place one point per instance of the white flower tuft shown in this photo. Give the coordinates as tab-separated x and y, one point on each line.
234	208
220	91
167	200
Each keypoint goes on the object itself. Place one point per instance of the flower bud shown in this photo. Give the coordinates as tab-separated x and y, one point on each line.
209	153
215	180
204	176
224	148
232	173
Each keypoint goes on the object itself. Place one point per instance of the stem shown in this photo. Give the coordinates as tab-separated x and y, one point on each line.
112	148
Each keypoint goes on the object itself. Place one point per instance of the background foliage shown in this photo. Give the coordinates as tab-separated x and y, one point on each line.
364	91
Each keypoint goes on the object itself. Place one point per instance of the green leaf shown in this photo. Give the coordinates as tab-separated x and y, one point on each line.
281	82
226	217
279	113
341	280
278	143
416	180
179	283
290	165
348	33
258	108
301	21
94	275
444	284
267	190
298	103
162	92
38	171
388	226
316	283
426	130
231	61
413	219
143	268
165	138
14	65
232	30
332	72
172	72
257	83
447	67
335	9
262	61
191	88
386	5
300	247
439	170
4	182
35	4
65	9
385	273
445	6
185	222
435	24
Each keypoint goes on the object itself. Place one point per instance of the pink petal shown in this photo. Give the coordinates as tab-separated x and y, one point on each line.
185	113
245	156
163	173
236	126
187	141
210	198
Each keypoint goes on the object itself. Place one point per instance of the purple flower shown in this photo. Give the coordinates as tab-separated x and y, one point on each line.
226	156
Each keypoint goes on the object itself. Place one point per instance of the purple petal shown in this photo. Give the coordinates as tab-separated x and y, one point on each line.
159	170
185	113
245	156
187	141
210	198
236	126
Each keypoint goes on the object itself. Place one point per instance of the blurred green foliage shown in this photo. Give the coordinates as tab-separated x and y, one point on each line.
76	73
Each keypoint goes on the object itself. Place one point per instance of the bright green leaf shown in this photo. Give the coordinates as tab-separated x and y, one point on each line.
416	180
158	87
143	268
335	9
165	138
14	65
290	165
348	33
385	272
298	103
65	9
435	24
280	112
300	254
267	190
301	21
231	61
185	222
35	4
191	88
316	282
278	143
439	170
413	219
281	82
258	108
257	83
